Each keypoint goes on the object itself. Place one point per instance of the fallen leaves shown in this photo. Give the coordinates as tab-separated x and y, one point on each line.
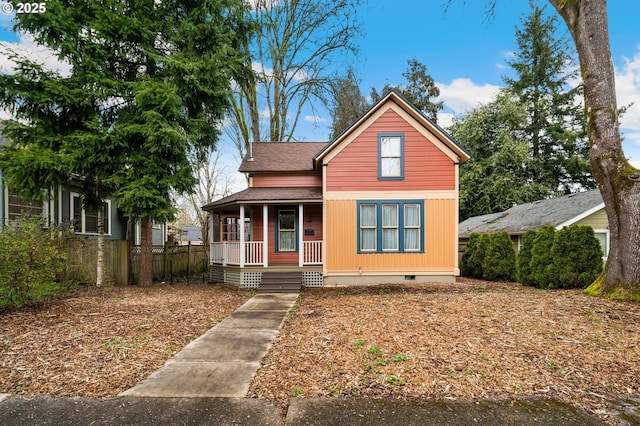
100	342
472	339
467	340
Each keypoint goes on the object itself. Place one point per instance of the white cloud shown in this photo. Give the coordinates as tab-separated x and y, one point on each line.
28	48
445	119
314	119
462	94
628	91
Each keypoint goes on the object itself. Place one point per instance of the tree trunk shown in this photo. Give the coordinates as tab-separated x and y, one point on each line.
617	180
100	261
145	276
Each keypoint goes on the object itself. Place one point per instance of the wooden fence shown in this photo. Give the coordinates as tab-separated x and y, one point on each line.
122	261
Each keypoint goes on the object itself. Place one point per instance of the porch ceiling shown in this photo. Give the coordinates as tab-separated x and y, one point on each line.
268	196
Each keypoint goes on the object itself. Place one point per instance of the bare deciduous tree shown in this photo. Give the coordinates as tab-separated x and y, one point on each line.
293	56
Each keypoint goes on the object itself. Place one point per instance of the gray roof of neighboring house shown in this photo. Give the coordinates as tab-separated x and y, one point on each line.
532	216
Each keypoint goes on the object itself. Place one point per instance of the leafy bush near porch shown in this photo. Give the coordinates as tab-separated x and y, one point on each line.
29	263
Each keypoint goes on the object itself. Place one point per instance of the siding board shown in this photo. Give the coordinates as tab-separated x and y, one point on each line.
285	181
440	243
356	166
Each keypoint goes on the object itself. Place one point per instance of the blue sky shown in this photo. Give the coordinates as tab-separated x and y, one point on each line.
464	52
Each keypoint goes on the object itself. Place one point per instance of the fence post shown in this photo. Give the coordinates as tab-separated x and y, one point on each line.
188	259
128	267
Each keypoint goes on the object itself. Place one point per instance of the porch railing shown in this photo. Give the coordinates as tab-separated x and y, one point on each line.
228	253
312	253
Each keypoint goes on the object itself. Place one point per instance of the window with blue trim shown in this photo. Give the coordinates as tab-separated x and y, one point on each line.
391	156
286	230
391	226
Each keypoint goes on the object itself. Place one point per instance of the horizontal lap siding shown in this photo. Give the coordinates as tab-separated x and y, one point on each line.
440	243
274	181
356	166
598	220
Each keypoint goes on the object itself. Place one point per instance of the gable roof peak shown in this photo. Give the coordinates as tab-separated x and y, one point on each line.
393	95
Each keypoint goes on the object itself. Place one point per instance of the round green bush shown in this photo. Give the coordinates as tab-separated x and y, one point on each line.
542	260
499	263
523	261
577	257
469	266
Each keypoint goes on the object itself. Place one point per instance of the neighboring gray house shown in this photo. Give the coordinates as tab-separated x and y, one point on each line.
582	208
64	206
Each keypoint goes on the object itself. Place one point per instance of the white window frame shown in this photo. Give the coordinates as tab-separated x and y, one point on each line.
72	214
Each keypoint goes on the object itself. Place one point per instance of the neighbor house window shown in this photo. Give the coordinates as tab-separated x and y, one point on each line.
86	221
22	206
390	226
603	238
390	156
286	230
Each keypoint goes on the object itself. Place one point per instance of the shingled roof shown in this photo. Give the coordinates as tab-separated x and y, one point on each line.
261	194
523	217
281	157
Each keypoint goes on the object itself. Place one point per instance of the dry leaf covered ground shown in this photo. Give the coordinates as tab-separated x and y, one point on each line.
472	339
100	342
469	340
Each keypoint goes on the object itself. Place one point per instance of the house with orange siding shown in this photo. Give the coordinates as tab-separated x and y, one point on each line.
379	204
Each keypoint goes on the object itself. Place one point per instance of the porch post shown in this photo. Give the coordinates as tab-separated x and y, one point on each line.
241	225
300	235
265	235
210	236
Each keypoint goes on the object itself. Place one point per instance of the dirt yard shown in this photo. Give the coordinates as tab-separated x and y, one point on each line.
472	339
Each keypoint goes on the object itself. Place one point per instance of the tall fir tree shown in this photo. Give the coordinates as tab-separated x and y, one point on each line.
348	103
148	85
556	126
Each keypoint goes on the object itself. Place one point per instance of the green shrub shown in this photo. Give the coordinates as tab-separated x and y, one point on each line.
29	262
577	257
523	263
499	263
542	260
469	267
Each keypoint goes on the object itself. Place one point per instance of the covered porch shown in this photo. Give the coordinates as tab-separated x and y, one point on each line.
262	230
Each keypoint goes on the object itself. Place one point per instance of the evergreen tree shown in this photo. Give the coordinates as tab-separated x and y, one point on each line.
577	256
420	89
496	177
148	85
348	103
524	258
555	128
499	262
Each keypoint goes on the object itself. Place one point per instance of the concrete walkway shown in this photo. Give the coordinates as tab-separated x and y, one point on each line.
223	361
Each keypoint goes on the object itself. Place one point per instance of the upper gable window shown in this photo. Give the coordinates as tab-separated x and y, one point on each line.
391	156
